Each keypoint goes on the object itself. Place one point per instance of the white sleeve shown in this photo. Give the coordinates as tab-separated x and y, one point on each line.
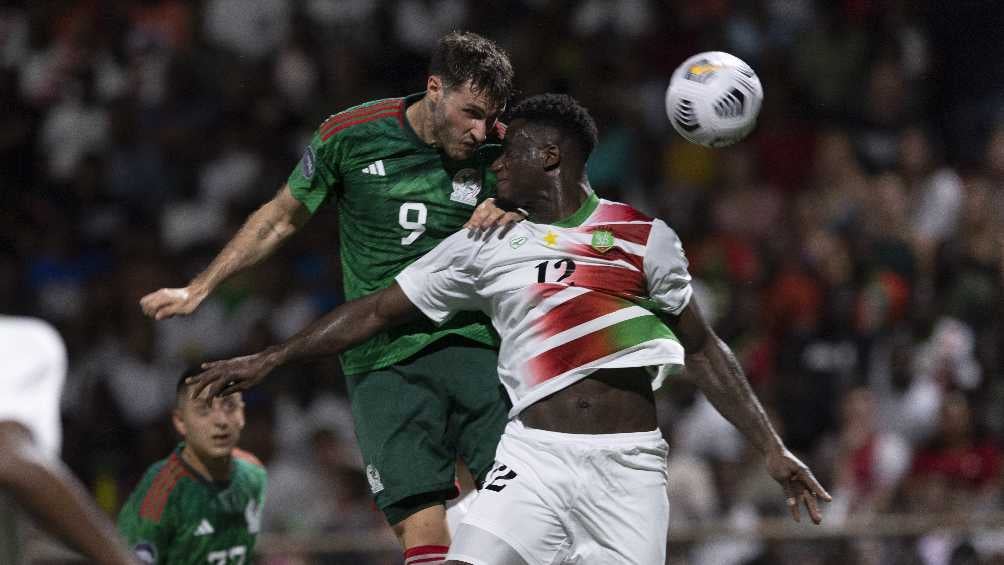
666	269
31	381
444	281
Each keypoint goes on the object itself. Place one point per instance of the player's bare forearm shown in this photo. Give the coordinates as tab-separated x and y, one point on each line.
263	232
716	371
712	366
347	325
350	324
260	235
50	493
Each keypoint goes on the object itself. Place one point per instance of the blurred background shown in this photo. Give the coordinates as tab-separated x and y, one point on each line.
851	250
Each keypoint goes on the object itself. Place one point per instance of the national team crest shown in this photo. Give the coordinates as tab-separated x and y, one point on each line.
603	240
466	186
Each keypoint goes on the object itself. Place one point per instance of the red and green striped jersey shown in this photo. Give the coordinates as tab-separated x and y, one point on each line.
568	298
176	516
397	197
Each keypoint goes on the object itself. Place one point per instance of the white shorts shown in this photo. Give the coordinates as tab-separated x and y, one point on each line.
557	498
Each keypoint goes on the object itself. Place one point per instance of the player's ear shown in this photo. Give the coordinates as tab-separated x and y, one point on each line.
551	155
434	88
179	424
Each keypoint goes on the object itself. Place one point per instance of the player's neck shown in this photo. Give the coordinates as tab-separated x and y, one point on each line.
419	117
564	201
211	469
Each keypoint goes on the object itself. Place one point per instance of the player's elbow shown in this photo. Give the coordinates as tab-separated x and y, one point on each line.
19	464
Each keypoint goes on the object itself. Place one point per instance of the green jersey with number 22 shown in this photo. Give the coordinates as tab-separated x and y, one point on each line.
176	517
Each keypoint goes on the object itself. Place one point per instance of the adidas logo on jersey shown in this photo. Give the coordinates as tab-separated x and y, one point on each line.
205	528
375	169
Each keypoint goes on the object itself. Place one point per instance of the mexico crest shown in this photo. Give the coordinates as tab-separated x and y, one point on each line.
466	186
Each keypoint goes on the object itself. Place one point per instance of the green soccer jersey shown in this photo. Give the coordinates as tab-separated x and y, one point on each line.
397	198
175	516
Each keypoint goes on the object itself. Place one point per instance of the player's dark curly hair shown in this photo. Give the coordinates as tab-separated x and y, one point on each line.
463	56
561	111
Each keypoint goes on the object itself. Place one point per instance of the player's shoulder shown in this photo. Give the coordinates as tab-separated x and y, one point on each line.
618	222
613	211
247	458
466	244
359	120
159	483
248	466
32	333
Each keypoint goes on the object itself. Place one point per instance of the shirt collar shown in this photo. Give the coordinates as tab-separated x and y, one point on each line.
580	215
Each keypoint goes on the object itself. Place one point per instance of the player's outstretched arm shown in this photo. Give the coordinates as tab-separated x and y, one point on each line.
350	324
713	367
260	235
47	490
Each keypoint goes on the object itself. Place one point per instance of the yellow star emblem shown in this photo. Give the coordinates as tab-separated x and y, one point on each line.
551	238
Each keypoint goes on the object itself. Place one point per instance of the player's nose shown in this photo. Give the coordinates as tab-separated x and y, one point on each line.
480	131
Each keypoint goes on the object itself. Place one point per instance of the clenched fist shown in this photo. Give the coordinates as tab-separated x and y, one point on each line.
168	302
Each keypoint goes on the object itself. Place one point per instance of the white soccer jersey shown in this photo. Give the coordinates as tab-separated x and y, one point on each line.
33	361
567	298
32	370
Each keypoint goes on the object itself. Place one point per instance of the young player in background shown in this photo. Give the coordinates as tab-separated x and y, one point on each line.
203	503
405	173
586	295
31	474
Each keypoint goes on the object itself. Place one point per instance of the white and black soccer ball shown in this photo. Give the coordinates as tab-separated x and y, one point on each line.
714	99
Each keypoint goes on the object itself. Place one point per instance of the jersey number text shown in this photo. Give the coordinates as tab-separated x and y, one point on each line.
233	556
410	210
562	269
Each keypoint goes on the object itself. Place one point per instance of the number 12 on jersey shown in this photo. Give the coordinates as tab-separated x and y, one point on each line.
562	269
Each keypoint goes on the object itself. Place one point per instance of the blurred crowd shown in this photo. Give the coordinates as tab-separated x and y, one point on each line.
851	250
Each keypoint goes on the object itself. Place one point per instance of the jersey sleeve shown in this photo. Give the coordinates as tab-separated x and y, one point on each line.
31	382
666	269
148	540
319	173
444	281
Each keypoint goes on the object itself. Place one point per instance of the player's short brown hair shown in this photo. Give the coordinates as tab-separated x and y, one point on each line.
463	56
181	387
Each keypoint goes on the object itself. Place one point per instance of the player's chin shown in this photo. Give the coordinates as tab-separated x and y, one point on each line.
221	447
218	451
462	152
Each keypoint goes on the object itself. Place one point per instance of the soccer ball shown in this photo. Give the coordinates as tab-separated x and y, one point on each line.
713	99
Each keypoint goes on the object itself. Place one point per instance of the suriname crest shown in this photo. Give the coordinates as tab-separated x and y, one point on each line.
603	240
466	186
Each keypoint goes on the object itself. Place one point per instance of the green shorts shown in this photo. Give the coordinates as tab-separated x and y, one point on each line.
414	419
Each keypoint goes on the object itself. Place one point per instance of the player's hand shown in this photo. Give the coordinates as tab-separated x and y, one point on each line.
168	302
800	486
488	217
220	378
